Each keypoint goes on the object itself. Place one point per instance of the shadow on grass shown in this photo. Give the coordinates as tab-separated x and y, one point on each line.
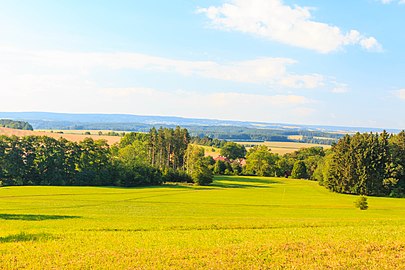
34	217
25	237
227	182
243	182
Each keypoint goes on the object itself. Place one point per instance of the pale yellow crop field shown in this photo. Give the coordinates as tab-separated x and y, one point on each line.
71	136
282	148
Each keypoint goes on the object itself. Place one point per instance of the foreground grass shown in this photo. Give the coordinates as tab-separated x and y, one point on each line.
237	223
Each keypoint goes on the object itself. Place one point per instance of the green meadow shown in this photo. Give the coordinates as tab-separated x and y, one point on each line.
236	223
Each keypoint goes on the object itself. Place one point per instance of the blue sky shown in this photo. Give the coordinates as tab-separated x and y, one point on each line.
304	62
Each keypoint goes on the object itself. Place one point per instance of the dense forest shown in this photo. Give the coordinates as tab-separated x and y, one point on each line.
139	159
15	124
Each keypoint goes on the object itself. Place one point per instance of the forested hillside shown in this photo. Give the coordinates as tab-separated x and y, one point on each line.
15	124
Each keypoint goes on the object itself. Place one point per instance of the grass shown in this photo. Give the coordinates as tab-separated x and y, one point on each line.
210	150
284	147
237	223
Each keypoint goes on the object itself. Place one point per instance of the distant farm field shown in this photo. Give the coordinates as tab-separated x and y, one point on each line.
76	137
237	223
284	147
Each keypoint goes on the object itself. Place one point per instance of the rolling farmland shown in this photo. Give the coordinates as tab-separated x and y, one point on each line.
76	137
236	223
284	147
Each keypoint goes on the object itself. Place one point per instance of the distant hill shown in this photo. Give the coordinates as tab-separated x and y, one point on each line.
7	123
221	129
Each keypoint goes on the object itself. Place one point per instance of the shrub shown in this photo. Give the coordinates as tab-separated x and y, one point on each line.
361	203
203	176
398	192
172	175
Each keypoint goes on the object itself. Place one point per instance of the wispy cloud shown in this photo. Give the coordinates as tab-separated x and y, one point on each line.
69	81
340	88
392	1
400	93
269	71
277	21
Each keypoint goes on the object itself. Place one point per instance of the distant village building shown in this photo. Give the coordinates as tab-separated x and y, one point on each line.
241	161
223	159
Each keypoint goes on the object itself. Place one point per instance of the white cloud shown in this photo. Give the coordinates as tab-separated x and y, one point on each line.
294	26
392	1
269	71
401	94
340	88
70	82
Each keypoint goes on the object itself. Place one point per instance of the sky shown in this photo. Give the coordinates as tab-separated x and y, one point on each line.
304	62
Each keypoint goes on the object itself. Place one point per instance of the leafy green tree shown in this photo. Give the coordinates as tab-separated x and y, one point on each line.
260	161
299	170
284	166
321	174
134	153
233	150
236	168
94	163
197	166
219	167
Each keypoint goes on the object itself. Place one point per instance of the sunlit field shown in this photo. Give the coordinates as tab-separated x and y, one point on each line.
74	137
236	223
285	147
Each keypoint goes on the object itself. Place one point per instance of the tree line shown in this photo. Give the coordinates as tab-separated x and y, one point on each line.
139	159
261	161
367	164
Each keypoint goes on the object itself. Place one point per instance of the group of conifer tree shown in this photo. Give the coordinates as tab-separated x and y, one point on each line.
367	164
41	160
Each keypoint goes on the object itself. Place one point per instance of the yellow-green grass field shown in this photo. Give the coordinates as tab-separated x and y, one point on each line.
210	150
284	147
237	223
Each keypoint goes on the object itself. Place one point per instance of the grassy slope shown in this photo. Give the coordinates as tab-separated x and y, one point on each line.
239	222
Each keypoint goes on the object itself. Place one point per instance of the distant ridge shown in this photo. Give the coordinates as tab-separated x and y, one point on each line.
68	120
